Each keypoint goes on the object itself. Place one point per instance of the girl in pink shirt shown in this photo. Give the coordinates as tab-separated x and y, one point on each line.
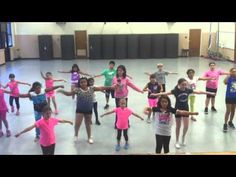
3	112
49	82
121	83
212	85
46	125
13	85
123	113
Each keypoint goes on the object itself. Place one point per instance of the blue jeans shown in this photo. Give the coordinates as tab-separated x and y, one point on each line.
37	116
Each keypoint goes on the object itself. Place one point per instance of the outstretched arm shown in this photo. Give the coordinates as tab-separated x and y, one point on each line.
24	83
107	113
206	78
138	116
54	88
27	95
171	72
130	84
64	71
185	113
59	80
147	73
202	92
4	86
6	91
66	93
86	74
104	88
225	73
25	130
162	93
129	76
42	75
66	121
97	75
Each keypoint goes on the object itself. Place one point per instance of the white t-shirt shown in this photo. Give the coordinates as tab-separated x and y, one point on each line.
164	121
192	83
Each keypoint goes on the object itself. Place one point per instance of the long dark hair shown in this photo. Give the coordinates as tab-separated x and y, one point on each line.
164	97
75	66
123	68
35	84
181	80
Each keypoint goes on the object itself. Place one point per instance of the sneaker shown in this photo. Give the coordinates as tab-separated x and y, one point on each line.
98	123
149	120
75	139
8	133
12	108
17	113
117	147
36	139
177	145
90	140
1	133
206	111
126	146
231	125
213	109
193	119
106	107
225	128
56	111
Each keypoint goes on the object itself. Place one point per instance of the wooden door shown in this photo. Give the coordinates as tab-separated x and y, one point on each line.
81	44
194	42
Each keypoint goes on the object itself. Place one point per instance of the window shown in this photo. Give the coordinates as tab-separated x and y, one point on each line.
9	35
5	35
227	35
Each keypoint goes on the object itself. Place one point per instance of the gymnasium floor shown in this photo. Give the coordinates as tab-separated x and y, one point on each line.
205	135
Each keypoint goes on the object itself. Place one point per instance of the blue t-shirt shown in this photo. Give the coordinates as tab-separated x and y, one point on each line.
231	88
39	100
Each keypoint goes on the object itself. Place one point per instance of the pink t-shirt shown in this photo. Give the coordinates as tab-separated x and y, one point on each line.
49	84
122	91
13	85
47	134
122	117
3	105
216	74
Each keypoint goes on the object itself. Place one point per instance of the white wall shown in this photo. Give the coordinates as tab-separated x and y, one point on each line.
37	28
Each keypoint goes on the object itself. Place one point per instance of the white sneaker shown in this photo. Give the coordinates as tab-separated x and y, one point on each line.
90	140
75	139
177	145
149	120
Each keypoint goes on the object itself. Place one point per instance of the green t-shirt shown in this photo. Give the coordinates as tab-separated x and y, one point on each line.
109	75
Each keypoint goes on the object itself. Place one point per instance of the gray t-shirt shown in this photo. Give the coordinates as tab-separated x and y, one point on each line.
160	76
164	121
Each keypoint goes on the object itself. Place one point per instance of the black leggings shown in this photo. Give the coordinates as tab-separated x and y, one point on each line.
11	98
118	105
95	109
125	134
48	150
162	141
